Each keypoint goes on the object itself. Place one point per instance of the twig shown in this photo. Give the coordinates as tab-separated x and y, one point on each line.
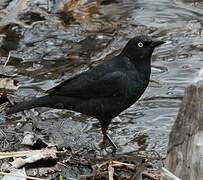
150	175
8	58
111	172
27	177
2	35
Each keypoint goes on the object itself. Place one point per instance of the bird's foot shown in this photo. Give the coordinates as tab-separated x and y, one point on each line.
104	144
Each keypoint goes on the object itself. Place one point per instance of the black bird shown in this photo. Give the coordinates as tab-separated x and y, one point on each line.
106	90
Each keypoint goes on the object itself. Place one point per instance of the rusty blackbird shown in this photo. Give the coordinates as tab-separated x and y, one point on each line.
106	90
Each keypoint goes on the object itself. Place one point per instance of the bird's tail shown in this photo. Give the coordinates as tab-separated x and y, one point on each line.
25	105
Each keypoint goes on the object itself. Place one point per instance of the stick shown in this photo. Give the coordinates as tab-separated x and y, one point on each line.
9	55
27	177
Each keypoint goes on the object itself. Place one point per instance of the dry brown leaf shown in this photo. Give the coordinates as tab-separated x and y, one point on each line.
8	83
35	156
51	151
111	172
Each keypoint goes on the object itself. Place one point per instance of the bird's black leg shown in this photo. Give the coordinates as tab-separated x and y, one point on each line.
110	141
106	137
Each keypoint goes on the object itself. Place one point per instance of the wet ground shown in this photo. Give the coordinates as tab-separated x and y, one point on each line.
49	52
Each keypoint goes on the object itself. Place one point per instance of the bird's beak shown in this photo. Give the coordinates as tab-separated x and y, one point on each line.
157	43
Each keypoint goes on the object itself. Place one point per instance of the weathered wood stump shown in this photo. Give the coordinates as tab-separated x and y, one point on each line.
185	148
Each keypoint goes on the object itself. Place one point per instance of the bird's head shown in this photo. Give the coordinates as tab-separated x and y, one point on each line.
140	48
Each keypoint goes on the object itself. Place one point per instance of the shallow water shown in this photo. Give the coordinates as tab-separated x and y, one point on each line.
145	125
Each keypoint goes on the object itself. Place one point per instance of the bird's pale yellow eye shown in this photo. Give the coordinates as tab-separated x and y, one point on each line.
140	44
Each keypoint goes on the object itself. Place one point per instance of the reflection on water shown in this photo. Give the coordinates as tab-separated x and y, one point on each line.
147	123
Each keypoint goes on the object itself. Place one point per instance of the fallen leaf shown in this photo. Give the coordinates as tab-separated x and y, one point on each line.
8	83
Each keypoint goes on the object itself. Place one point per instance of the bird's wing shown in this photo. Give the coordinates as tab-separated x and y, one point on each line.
85	86
64	83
